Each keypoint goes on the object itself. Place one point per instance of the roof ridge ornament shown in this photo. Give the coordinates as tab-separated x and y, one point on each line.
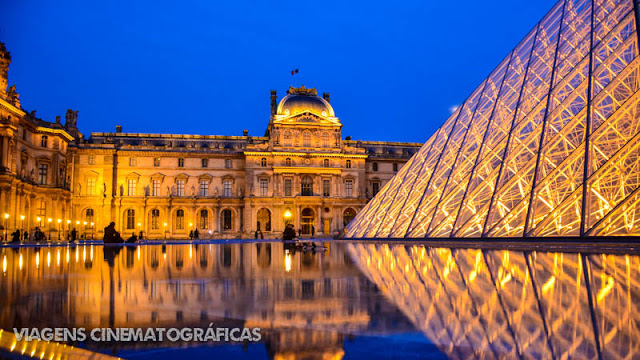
302	91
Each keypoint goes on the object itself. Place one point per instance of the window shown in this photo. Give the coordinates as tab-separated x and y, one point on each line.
204	219
375	166
395	167
91	186
204	188
42	174
205	163
326	142
226	188
287	162
88	216
226	219
179	187
179	219
325	162
307	186
24	134
156	162
348	188
306	139
375	186
180	162
263	162
132	161
264	187
155	219
131	187
227	164
287	187
92	159
42	209
287	138
326	187
155	187
131	219
348	166
43	141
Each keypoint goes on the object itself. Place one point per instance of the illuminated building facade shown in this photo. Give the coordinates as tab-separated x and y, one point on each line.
301	171
547	145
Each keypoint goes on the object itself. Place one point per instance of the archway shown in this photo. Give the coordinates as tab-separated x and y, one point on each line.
348	215
307	223
263	221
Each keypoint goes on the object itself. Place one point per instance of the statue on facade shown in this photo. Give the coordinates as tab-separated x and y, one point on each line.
193	190
71	118
78	189
215	191
12	96
104	189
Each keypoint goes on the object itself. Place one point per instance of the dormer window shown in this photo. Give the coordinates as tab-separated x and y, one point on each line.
43	141
325	163
287	162
263	162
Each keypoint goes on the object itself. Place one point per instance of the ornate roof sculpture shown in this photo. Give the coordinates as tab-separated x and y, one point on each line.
499	304
512	160
304	100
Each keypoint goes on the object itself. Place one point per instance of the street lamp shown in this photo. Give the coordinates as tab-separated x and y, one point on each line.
69	229
85	230
165	231
6	225
92	223
59	228
21	225
49	221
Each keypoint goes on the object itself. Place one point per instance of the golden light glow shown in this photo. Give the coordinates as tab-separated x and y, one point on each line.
4	263
287	214
59	221
77	222
20	262
21	217
6	216
49	220
68	221
287	261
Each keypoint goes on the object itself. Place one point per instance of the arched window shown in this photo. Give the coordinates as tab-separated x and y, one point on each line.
227	218
88	216
155	219
287	162
306	139
326	141
348	164
131	219
348	215
325	162
43	141
179	219
263	162
264	220
287	138
204	219
306	186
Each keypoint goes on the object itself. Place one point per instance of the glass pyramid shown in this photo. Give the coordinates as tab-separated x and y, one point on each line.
547	145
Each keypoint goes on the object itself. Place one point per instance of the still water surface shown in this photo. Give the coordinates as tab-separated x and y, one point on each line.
351	301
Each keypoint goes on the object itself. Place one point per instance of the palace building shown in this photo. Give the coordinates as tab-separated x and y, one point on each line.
301	172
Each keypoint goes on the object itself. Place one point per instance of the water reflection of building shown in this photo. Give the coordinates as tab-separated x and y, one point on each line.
506	304
304	302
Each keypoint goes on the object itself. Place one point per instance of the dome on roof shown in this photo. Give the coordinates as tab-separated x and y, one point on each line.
300	100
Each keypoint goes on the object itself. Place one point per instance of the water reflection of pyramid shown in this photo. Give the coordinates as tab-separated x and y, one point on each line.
511	160
494	304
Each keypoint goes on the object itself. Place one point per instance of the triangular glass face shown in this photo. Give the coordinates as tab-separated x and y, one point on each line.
512	160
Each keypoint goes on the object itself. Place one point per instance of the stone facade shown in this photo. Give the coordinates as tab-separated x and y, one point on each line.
165	185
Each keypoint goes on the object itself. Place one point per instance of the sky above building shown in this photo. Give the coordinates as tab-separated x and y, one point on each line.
394	69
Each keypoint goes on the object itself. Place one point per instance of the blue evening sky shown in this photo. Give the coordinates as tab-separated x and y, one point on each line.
393	68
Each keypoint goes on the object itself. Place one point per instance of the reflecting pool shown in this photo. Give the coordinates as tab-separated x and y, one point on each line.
346	300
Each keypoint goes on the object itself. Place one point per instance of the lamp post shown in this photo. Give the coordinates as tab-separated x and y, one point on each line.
49	221
85	230
92	223
69	229
6	225
21	225
59	228
165	231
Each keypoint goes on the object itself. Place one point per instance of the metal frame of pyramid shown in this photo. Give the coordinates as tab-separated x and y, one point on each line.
562	107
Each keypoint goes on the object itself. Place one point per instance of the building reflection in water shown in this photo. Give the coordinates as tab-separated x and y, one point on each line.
305	303
509	304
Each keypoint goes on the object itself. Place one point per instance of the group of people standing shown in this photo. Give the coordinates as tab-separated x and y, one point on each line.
38	235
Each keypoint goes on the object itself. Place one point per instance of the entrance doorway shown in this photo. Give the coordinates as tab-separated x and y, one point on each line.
307	222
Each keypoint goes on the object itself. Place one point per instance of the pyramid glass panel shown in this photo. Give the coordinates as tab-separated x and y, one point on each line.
547	145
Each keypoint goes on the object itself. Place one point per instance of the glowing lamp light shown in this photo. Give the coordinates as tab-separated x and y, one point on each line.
6	216
190	224
38	219
165	224
59	221
287	214
21	217
68	221
77	222
139	224
85	223
92	224
49	220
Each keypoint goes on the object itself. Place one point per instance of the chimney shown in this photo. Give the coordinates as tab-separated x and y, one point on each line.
245	132
326	96
274	102
118	129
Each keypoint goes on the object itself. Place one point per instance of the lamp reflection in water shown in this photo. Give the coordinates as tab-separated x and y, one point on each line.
509	304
